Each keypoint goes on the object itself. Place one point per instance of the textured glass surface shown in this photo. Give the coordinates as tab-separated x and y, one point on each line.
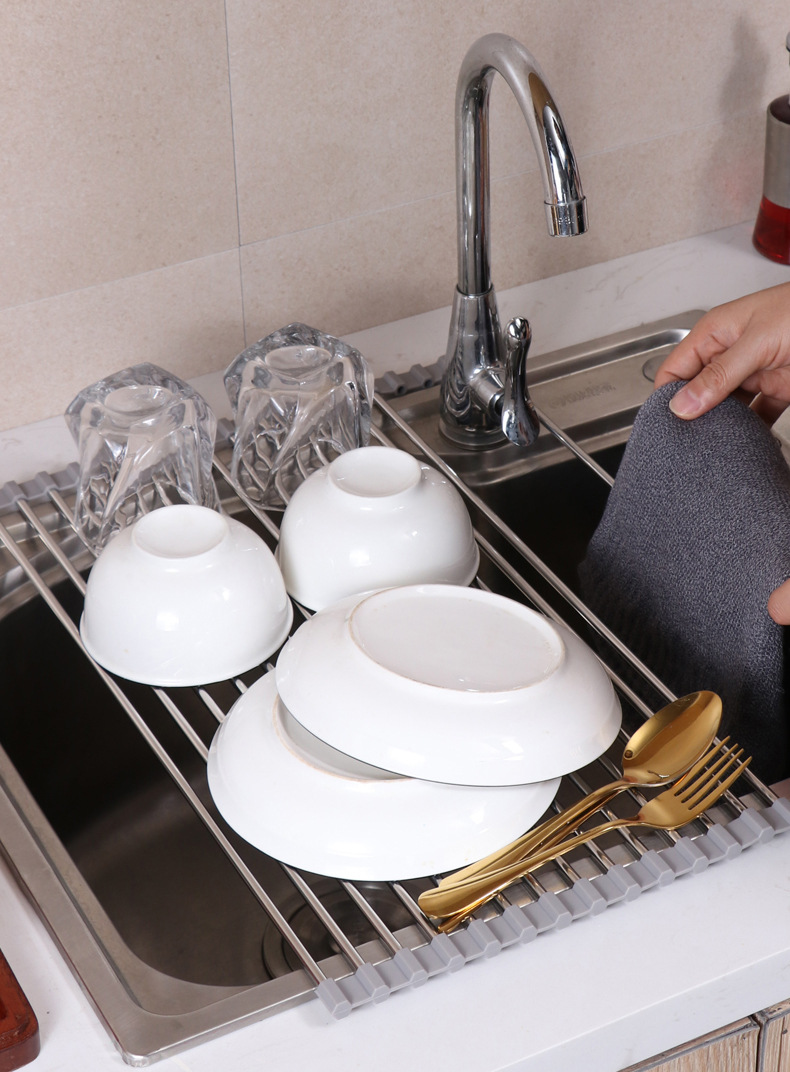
146	439
300	398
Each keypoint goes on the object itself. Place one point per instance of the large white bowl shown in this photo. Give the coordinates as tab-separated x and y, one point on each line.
373	518
310	806
450	684
184	596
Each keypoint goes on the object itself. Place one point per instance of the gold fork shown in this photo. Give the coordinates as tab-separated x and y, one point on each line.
675	807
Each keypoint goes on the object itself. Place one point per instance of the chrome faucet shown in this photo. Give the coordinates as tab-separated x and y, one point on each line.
484	394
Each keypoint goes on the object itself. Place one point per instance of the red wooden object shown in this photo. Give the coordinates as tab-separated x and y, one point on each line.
19	1037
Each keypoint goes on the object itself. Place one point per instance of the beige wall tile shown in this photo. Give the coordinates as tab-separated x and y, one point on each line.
335	112
117	150
186	319
625	72
354	273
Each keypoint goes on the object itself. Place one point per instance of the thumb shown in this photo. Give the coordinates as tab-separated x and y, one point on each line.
709	387
779	604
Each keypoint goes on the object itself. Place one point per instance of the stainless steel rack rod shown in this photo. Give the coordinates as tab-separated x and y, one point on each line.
308	962
343	943
526	552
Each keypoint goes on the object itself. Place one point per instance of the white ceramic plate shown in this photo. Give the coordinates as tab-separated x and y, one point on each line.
450	684
301	802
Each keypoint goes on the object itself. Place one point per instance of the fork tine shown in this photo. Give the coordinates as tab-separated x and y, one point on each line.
711	770
715	774
718	790
702	762
699	769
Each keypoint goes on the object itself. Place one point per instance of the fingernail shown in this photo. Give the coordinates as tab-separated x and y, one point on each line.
685	404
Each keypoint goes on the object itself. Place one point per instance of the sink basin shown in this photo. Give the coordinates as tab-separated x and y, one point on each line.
175	928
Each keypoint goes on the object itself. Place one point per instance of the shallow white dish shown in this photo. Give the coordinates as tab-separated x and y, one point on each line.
184	596
301	802
450	684
373	518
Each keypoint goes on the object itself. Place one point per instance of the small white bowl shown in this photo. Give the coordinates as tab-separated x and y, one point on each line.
373	518
184	596
296	799
450	684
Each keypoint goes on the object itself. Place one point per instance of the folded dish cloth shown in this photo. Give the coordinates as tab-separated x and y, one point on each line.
694	538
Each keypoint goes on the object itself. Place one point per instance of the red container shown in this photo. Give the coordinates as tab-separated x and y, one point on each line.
772	230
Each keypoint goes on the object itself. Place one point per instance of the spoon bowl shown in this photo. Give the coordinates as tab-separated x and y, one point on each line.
671	740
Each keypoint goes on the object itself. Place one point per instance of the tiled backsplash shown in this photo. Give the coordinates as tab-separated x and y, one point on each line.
181	177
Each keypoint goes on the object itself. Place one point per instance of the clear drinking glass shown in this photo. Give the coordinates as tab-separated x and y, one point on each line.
300	398
145	439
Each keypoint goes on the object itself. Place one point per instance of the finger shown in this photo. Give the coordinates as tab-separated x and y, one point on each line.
779	604
690	355
723	375
772	382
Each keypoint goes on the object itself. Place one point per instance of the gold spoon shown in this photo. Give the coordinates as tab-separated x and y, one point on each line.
663	748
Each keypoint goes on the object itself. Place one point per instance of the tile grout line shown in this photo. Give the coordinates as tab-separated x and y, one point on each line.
235	178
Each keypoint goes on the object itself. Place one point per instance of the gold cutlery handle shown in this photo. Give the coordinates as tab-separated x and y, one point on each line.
549	833
466	895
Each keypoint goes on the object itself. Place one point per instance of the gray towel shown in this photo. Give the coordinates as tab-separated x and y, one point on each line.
694	538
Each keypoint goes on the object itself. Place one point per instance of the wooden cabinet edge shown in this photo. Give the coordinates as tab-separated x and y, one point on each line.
728	1049
773	1053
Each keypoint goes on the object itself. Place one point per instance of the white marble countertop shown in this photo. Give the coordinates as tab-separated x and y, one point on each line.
605	992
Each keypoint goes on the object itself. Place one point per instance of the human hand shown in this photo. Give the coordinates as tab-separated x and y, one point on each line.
744	344
779	604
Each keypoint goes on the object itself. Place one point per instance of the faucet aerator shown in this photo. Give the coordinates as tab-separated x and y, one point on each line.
567	220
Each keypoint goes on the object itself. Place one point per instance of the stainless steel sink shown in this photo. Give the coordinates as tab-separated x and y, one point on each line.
175	928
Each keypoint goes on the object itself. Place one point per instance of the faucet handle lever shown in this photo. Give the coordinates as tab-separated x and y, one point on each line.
519	420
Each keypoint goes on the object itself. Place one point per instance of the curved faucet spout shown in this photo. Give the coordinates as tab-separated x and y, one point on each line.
475	341
562	191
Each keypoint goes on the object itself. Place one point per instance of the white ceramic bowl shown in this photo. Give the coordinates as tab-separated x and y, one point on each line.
310	806
450	684
373	518
184	596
